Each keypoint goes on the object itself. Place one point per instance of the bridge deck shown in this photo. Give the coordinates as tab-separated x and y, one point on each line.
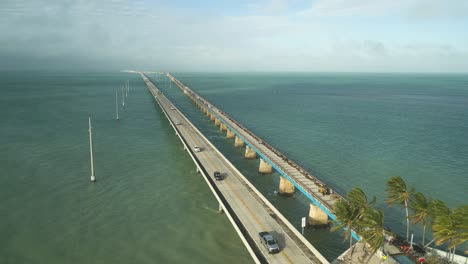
254	215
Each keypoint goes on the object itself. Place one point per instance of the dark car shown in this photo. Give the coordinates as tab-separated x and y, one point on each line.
217	175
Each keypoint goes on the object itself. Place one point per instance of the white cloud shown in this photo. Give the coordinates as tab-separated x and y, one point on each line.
419	9
271	6
431	9
124	34
351	7
362	49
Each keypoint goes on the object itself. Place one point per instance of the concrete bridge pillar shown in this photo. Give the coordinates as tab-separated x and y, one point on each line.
250	153
230	134
212	117
222	127
217	122
286	187
317	217
265	168
238	142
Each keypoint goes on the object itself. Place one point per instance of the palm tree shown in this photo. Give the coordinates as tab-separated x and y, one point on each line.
460	224
398	193
350	213
358	199
437	209
346	216
372	228
451	226
422	211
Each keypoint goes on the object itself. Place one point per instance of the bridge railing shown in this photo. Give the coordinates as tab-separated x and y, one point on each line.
284	157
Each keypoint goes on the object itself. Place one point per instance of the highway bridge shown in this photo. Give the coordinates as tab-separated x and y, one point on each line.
293	177
247	209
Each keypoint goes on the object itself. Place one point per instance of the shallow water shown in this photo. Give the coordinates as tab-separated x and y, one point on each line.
149	205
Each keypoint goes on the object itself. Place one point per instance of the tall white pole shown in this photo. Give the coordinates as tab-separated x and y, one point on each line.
117	104
123	98
126	90
93	179
303	224
411	243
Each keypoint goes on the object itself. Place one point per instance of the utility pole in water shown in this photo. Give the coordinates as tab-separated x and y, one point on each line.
93	179
116	104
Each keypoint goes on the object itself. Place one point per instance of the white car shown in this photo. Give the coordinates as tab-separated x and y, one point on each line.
177	122
269	242
196	149
172	108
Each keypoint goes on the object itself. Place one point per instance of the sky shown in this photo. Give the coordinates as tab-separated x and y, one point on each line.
241	36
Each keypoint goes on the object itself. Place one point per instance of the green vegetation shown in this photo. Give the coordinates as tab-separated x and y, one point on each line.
399	194
350	214
347	219
449	226
422	211
372	228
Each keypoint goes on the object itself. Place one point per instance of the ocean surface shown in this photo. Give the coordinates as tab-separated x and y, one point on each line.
150	206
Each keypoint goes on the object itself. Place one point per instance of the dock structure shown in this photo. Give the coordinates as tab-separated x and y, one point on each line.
293	177
247	209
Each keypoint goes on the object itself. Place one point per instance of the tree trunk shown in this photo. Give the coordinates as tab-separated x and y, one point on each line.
352	250
453	254
407	220
424	234
430	243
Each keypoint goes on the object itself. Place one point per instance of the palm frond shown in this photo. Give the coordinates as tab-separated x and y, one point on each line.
373	228
396	188
421	208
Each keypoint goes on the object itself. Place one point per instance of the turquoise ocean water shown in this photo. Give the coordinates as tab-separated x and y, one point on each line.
150	206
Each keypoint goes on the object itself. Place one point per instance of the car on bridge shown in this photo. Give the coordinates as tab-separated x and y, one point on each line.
177	122
269	242
172	108
217	175
196	149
